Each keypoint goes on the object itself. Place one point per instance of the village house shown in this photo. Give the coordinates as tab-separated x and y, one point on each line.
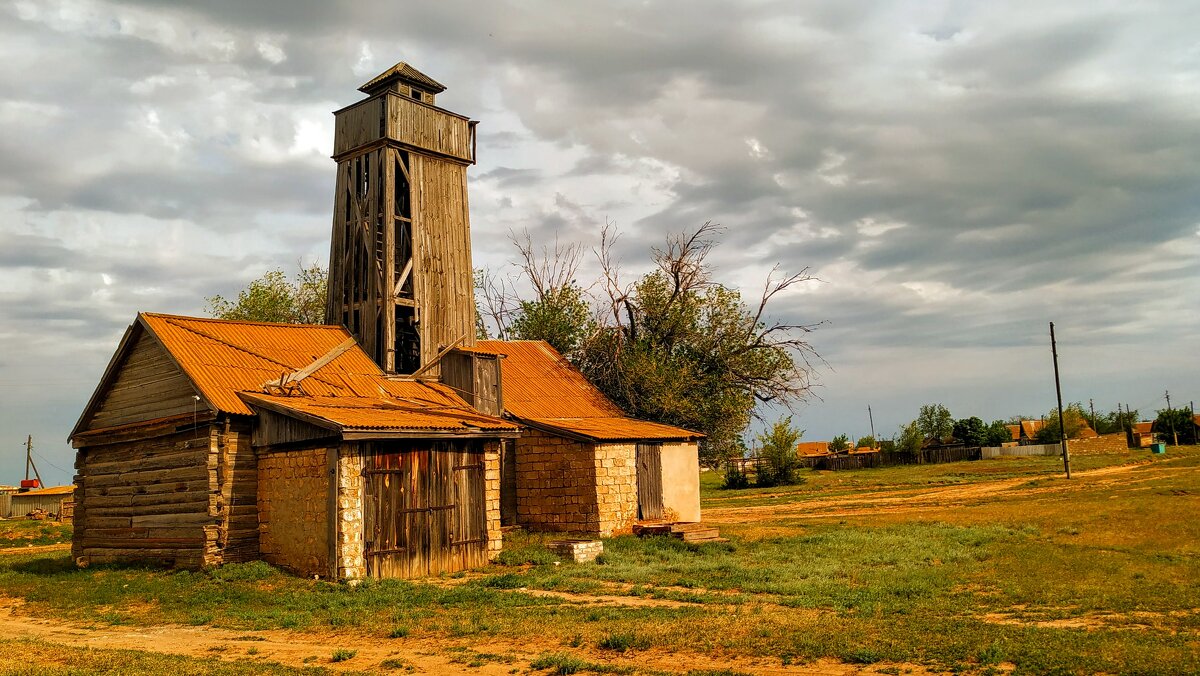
374	446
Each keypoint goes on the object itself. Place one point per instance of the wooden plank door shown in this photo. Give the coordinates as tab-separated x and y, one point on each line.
425	509
649	482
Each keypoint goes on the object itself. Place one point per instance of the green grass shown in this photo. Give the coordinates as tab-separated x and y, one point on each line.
29	658
27	532
961	586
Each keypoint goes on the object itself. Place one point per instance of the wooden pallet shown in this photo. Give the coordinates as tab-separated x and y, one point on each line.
699	533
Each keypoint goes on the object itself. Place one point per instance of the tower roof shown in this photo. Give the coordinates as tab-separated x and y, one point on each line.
402	72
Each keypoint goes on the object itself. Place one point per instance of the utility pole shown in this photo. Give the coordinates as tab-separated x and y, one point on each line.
1171	419
871	417
1062	429
29	461
1092	405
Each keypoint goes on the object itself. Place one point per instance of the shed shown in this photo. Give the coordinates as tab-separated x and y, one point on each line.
581	464
211	441
49	500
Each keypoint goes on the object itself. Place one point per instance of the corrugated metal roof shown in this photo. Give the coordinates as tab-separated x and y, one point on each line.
367	413
542	387
228	361
614	429
225	357
53	490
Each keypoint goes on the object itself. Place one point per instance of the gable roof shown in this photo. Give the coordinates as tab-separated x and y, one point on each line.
404	73
812	448
1030	427
544	390
1015	431
228	362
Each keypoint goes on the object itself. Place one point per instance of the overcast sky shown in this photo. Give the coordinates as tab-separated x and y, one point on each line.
957	173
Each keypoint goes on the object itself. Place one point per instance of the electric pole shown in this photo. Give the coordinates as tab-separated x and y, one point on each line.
1062	429
1171	419
871	417
1092	405
29	461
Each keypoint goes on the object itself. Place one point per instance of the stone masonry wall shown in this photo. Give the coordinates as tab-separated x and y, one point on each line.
556	483
491	489
293	509
349	517
616	485
1106	443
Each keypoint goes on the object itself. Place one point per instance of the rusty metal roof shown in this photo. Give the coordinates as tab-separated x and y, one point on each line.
53	490
374	413
228	362
544	389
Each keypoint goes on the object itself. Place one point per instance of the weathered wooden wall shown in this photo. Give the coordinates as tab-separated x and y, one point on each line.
150	499
186	498
148	385
443	276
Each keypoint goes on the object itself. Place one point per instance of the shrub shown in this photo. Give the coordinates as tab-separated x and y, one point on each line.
342	654
735	478
777	449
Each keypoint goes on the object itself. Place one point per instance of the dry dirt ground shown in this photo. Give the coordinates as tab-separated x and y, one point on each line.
423	656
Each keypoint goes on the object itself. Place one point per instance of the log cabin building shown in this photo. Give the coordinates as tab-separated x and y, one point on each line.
373	446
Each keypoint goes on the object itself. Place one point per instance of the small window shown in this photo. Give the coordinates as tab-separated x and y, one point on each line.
418	94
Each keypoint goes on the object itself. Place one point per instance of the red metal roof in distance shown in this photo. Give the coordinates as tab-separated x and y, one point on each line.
226	359
544	390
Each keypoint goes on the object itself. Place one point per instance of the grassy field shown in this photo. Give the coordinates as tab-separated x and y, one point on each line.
1036	574
26	533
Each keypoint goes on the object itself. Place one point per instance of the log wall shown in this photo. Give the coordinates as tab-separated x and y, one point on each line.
152	499
186	499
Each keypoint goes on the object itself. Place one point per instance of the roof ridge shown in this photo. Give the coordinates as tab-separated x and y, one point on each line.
243	349
249	322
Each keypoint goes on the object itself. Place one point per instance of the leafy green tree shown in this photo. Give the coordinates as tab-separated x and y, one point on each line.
970	431
1116	421
997	434
1074	421
777	451
866	442
560	317
275	298
910	438
678	347
1175	423
935	422
840	443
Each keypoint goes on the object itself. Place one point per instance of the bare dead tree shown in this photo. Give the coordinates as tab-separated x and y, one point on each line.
547	269
496	299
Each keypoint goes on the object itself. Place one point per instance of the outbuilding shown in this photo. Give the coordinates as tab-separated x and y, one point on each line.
581	464
210	442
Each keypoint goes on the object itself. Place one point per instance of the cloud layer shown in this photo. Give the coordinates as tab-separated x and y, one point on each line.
957	173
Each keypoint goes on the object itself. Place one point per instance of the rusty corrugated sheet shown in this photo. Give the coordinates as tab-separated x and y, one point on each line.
542	387
230	360
409	413
614	429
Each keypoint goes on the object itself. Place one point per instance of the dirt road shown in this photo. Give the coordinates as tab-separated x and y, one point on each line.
422	655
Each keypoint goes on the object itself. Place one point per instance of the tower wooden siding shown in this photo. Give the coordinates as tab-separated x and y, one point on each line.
400	274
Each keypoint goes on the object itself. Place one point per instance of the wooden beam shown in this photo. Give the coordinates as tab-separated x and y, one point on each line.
299	375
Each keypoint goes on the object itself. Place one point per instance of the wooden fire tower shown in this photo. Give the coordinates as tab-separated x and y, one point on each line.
400	275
